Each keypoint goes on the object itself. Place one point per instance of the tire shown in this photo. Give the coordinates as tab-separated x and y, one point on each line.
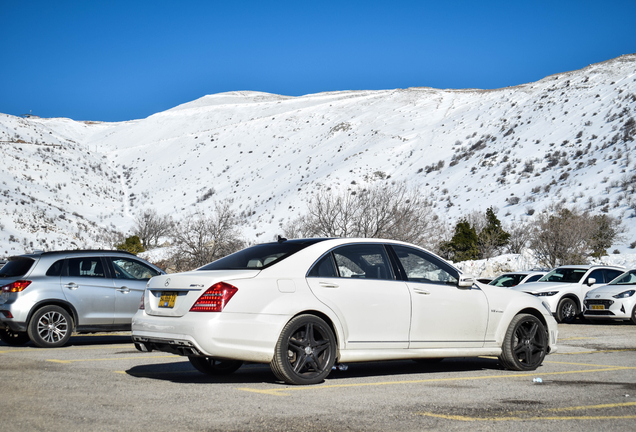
13	338
213	366
525	344
50	327
305	351
633	319
567	311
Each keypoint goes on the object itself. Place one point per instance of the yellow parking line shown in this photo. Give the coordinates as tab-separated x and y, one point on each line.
284	391
576	338
106	359
68	348
535	418
596	351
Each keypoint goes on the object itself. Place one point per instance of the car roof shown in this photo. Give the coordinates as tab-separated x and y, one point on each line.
38	254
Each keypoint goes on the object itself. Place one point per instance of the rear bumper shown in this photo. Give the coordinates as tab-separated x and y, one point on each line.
236	336
12	325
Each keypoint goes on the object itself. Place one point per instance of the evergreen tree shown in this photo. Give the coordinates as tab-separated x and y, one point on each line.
464	244
492	237
132	245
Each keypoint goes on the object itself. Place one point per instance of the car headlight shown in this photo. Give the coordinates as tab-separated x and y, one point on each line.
547	306
546	294
625	294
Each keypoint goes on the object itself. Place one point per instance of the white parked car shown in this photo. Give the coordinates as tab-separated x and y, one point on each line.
564	288
304	305
511	279
616	300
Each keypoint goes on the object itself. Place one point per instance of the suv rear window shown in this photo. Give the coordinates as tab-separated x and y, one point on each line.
260	256
16	267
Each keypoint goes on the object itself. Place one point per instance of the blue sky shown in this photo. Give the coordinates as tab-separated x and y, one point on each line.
123	60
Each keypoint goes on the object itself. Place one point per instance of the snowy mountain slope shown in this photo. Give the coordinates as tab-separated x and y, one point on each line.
567	138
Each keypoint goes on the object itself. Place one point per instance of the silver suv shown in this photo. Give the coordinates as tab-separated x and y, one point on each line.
48	295
564	288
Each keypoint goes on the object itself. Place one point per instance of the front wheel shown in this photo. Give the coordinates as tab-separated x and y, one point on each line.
13	338
525	344
50	327
567	310
213	366
634	315
305	351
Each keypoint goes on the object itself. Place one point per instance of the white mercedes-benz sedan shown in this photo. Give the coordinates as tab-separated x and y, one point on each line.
302	306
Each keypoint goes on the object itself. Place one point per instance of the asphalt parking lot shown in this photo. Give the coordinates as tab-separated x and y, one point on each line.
100	382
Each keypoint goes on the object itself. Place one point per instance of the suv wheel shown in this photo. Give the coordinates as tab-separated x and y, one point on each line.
13	338
50	327
567	310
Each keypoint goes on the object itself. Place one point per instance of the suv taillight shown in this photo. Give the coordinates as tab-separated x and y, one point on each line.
17	286
215	298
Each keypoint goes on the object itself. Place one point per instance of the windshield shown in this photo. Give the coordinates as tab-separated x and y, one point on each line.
565	275
628	278
260	256
16	267
507	280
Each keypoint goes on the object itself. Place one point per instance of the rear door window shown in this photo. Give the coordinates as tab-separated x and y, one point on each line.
85	267
363	261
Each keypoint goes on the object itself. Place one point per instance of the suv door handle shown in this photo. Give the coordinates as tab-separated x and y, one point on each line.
123	289
71	286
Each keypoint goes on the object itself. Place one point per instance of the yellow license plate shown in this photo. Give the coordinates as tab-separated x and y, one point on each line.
167	299
597	307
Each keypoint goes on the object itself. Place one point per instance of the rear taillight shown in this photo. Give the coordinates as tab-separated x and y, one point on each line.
17	286
215	298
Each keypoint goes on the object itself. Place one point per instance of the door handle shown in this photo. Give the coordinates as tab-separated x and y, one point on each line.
71	286
327	285
123	289
421	291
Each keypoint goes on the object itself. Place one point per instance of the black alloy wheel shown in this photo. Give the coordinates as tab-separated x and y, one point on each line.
50	327
214	366
13	338
305	352
525	344
634	315
567	310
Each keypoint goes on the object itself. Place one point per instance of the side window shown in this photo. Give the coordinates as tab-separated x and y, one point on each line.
85	267
363	261
324	268
611	275
598	275
422	267
128	268
534	278
56	268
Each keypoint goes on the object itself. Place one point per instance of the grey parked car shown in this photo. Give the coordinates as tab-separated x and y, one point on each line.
48	295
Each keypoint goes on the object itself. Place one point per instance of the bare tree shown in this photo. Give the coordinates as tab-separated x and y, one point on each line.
560	236
150	227
385	211
519	237
201	238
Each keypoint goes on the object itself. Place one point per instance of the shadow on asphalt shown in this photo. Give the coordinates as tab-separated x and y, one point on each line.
184	372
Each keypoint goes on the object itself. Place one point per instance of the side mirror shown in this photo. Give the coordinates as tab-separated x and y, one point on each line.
466	281
591	281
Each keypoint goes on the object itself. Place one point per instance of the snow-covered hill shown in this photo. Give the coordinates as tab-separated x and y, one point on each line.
568	138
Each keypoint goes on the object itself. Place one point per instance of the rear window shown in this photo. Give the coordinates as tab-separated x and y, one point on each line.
260	256
16	267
